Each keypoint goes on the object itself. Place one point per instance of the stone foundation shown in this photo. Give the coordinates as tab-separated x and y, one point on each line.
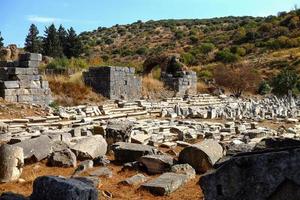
182	82
21	82
114	82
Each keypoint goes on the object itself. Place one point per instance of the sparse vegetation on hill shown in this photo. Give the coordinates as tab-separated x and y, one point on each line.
267	44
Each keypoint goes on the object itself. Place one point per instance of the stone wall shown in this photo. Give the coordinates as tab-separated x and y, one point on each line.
21	82
114	82
184	82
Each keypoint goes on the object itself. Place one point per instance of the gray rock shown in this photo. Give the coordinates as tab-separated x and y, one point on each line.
64	158
185	169
165	184
12	196
102	172
35	149
90	180
129	152
202	156
11	163
58	188
258	175
83	166
118	131
156	164
101	161
135	180
90	147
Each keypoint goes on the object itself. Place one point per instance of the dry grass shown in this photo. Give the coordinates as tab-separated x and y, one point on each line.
70	91
151	87
202	87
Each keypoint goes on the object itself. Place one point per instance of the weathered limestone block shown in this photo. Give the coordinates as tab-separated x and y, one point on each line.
202	156
64	158
31	56
35	149
156	164
134	180
11	163
58	188
129	152
90	147
165	184
118	131
268	175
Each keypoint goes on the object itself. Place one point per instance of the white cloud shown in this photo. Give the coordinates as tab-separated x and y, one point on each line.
43	19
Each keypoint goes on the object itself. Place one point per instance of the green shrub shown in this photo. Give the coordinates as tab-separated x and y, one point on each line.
226	56
194	39
142	51
264	88
189	59
287	81
206	48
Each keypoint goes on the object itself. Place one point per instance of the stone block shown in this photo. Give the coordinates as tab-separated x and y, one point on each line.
10	84
31	56
30	64
165	184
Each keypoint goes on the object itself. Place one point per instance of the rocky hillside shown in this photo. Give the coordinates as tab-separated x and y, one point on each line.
267	43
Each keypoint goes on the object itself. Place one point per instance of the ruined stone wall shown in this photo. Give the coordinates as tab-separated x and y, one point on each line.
184	82
21	82
114	82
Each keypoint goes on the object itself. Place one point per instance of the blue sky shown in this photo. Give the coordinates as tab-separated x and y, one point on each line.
17	15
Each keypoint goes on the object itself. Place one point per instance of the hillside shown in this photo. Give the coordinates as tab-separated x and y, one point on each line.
266	43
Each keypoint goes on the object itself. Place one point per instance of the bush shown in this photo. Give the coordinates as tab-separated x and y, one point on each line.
142	51
189	59
194	39
206	48
286	82
226	56
179	34
61	65
237	79
264	88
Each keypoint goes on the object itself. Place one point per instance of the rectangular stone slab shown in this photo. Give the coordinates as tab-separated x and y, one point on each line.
165	184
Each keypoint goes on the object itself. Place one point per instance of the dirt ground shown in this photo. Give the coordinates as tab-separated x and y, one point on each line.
17	110
190	191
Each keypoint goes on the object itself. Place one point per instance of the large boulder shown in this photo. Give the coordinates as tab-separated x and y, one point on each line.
90	147
59	188
11	163
64	158
156	164
35	149
129	152
267	175
202	156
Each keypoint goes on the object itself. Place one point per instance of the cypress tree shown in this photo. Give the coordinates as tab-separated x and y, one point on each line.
33	42
73	44
1	41
51	43
62	35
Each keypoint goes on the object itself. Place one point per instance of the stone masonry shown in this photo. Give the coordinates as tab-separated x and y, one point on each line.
183	82
114	82
21	82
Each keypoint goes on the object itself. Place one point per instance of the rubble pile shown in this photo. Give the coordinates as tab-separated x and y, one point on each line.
143	135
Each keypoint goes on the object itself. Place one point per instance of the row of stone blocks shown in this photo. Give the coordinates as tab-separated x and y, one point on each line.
21	81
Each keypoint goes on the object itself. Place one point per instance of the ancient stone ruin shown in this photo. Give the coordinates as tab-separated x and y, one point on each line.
20	81
114	82
183	82
174	74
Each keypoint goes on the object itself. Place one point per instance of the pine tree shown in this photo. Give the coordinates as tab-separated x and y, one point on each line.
62	35
73	44
51	43
1	41
33	43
